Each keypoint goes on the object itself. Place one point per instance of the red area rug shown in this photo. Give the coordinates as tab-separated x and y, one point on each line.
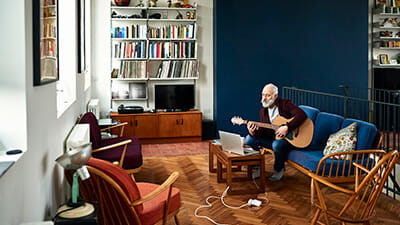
175	149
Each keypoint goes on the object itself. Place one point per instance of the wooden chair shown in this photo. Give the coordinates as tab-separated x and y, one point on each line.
124	151
354	204
122	201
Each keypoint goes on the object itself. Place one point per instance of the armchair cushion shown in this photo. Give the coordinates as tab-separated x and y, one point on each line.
133	156
95	134
123	179
153	209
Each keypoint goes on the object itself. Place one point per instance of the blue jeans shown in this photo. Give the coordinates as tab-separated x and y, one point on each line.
280	147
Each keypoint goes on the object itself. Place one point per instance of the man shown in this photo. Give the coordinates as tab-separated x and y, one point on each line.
272	106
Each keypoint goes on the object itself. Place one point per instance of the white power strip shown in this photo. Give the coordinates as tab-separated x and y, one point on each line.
254	202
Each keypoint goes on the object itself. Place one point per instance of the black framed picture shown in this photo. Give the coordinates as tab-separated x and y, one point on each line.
45	41
81	36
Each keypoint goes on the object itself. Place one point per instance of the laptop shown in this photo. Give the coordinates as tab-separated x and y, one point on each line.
233	143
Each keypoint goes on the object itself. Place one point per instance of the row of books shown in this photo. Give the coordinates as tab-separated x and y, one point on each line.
181	49
177	69
48	48
49	30
132	31
390	44
172	31
130	69
130	49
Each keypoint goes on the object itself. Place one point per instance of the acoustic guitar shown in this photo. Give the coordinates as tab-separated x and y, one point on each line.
300	137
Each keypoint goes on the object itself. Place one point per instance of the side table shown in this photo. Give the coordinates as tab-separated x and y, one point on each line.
232	162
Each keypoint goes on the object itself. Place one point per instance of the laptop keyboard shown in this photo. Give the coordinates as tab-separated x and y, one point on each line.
250	151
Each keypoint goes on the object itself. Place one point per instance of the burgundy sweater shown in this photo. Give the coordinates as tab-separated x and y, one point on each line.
286	109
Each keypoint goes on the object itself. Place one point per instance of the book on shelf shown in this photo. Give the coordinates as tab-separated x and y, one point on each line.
177	69
135	49
131	31
173	49
130	69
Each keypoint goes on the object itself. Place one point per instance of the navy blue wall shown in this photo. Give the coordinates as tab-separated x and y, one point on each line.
309	44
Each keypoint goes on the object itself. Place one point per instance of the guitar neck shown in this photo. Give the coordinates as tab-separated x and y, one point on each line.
264	125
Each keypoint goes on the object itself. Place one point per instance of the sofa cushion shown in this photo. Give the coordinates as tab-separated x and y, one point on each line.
343	140
310	111
366	133
309	159
325	124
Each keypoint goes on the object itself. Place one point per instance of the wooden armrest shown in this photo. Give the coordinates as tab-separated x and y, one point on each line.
115	126
264	150
167	183
112	146
329	184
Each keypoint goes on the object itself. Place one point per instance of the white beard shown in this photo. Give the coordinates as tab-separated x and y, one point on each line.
267	104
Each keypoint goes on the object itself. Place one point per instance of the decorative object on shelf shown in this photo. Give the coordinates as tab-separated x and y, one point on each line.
386	33
164	14
390	22
144	13
114	73
140	4
153	3
169	3
122	2
155	16
179	15
45	41
383	58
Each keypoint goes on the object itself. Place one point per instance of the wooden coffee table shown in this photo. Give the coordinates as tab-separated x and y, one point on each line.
229	163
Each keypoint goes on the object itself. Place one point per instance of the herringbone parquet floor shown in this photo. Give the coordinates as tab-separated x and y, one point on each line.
289	198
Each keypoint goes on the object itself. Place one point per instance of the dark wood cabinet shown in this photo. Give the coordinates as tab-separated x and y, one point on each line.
180	125
162	127
140	126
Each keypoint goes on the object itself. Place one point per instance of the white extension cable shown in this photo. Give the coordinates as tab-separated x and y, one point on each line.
251	202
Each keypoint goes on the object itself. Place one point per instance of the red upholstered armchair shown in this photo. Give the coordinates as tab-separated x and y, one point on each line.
122	201
124	151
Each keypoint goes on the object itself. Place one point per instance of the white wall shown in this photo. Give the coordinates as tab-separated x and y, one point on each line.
101	53
32	189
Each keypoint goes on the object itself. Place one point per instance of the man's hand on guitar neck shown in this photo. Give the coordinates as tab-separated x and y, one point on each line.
282	131
252	127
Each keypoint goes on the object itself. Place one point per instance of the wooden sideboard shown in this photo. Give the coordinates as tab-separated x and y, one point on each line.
162	127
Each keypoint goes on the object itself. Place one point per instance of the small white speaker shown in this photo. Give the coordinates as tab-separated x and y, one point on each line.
94	107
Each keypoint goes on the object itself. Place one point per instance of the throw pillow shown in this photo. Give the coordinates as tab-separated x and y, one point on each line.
343	140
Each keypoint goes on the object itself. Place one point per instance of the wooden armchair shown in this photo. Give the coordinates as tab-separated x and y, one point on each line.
124	151
355	204
123	201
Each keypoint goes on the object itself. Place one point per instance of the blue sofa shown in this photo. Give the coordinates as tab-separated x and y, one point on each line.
339	169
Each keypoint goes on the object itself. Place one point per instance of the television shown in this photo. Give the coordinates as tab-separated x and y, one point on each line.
174	97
